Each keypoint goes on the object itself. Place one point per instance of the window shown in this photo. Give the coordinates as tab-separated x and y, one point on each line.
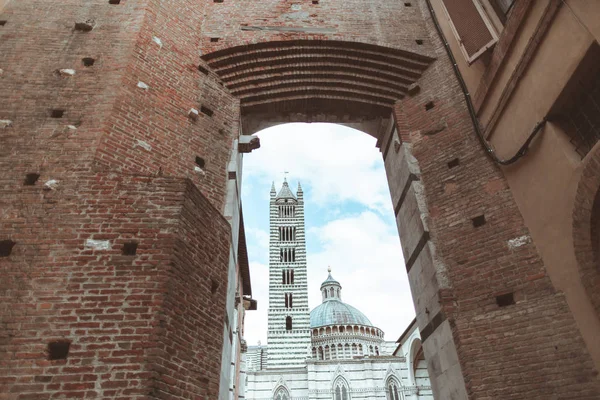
288	300
281	394
341	391
287	255
288	323
502	8
471	26
393	389
287	211
287	233
287	276
577	109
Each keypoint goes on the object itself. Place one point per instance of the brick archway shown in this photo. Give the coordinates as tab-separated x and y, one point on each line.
305	80
586	226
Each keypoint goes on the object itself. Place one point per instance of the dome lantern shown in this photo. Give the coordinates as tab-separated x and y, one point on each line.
330	288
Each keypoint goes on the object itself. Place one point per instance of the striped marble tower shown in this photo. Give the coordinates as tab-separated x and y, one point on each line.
289	316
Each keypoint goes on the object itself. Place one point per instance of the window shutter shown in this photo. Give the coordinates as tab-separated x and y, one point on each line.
471	26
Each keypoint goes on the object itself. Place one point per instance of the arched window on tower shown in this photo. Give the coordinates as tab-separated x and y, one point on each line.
283	277
281	394
290	301
393	389
341	390
292	277
288	323
286	300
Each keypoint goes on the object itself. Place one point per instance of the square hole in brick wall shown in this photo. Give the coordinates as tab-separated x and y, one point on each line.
315	1
419	41
129	248
2	22
84	26
408	4
31	179
88	61
429	105
214	286
57	113
453	163
214	39
114	1
207	111
58	349
478	221
200	161
505	300
203	70
6	247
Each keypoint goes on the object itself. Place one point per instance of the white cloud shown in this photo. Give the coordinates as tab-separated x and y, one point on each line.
365	256
338	163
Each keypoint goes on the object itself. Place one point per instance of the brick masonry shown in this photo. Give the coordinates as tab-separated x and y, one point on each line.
586	233
126	161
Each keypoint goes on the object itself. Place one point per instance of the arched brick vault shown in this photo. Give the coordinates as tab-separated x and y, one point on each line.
316	80
586	226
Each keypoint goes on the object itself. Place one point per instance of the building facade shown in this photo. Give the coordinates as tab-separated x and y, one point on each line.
334	352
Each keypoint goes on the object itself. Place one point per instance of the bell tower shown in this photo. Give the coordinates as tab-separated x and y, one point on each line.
289	320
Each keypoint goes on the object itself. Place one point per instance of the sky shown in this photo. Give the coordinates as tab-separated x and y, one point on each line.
349	219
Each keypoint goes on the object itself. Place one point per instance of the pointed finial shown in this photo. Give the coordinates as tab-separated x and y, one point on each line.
329	268
273	187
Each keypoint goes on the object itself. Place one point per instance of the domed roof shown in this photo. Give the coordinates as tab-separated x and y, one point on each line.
334	312
330	281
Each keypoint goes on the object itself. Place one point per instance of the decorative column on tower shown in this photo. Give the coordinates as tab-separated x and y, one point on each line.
289	320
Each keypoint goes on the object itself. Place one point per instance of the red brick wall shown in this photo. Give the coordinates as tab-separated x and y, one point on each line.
125	315
121	313
586	226
187	361
531	349
158	116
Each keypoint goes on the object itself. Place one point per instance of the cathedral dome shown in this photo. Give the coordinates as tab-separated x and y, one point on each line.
334	312
340	331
